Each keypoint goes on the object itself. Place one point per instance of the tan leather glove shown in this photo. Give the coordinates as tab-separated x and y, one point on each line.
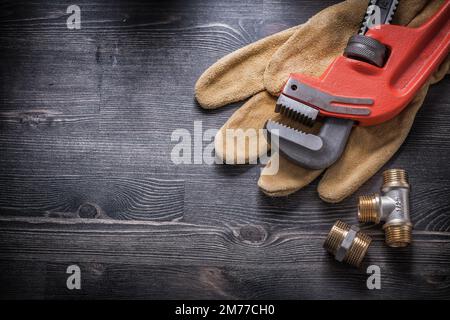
259	71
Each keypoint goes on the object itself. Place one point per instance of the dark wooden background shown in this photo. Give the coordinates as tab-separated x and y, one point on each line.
86	177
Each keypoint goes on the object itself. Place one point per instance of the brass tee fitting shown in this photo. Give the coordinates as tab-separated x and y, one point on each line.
392	207
346	243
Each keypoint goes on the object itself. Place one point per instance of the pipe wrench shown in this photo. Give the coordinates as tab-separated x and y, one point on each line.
379	73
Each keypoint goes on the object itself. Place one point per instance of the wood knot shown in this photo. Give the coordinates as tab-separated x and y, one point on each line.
252	234
33	119
96	270
437	279
88	210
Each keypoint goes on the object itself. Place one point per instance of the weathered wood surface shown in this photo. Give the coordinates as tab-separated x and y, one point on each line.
86	176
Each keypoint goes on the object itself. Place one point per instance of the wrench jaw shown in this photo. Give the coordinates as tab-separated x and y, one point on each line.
308	150
322	150
296	110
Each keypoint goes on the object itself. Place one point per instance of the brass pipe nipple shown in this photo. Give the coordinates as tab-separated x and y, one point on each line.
398	236
369	208
395	177
347	244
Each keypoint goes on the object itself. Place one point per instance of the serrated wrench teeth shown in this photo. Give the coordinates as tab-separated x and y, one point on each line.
296	110
307	140
378	12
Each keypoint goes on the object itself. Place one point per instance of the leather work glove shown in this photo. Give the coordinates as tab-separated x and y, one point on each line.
259	71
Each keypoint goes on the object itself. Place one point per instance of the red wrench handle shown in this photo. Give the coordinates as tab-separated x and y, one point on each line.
415	53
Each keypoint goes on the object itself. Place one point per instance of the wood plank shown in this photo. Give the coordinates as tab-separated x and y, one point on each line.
86	176
95	197
167	243
170	260
37	280
128	196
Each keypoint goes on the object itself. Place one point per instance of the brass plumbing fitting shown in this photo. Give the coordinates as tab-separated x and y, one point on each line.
346	243
392	207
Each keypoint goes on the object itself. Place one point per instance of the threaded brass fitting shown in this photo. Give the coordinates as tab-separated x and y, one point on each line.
346	243
368	208
395	177
398	235
392	207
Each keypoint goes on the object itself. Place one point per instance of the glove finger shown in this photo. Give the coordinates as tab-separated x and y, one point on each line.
369	148
247	121
238	75
407	10
281	177
420	13
441	72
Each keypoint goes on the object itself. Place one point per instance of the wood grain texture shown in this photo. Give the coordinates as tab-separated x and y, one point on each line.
74	196
86	119
176	260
